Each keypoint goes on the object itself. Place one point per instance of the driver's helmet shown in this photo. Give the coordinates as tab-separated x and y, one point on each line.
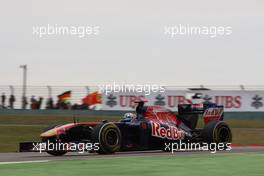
197	101
128	117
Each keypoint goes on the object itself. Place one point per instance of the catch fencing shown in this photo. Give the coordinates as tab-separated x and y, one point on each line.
234	98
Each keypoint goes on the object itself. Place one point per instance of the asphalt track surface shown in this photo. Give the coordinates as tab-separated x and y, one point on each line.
44	157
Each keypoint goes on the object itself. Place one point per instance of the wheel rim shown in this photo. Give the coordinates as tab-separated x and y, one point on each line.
223	134
112	137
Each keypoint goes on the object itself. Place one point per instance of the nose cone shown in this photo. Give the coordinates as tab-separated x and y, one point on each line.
49	133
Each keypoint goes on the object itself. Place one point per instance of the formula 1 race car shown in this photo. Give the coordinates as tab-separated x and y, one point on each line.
148	129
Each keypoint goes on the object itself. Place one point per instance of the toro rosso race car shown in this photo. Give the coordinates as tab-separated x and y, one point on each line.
148	129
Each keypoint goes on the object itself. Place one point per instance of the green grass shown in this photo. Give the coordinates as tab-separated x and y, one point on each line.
206	165
246	136
15	129
50	120
10	136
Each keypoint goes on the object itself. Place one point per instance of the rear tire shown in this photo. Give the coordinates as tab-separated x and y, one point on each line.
108	136
217	132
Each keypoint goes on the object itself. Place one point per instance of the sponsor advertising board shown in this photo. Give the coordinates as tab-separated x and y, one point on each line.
233	101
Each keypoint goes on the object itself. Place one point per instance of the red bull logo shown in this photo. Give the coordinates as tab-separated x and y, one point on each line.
171	133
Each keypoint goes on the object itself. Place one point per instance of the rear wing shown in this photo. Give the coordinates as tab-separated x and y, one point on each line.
209	112
190	109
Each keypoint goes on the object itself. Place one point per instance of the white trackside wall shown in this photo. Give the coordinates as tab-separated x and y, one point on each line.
233	101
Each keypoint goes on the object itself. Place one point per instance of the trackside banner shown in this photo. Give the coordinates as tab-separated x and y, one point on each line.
233	101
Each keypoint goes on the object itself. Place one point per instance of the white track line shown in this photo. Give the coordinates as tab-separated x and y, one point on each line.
23	162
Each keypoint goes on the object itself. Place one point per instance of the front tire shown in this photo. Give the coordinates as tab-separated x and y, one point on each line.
108	136
54	152
57	153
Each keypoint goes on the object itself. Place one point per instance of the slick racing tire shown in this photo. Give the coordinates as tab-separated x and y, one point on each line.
57	153
108	136
217	132
53	152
